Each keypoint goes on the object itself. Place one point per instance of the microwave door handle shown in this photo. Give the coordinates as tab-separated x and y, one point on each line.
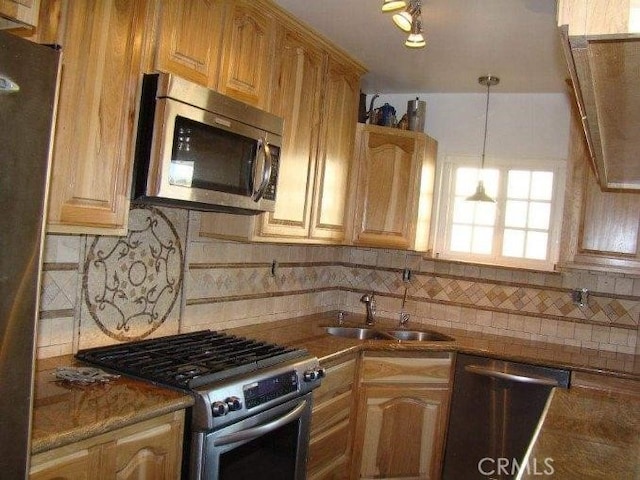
263	147
251	433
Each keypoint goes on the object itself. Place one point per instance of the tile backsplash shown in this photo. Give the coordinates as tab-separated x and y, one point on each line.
163	278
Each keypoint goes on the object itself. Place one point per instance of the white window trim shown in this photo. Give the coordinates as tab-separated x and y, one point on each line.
445	209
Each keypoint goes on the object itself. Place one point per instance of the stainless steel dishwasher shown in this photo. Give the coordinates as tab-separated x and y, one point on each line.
495	408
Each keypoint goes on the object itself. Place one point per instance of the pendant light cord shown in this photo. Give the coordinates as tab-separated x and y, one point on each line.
486	123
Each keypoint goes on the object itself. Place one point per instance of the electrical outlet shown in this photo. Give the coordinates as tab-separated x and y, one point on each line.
406	275
580	297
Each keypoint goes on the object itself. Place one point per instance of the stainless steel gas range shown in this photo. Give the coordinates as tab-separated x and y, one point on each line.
253	400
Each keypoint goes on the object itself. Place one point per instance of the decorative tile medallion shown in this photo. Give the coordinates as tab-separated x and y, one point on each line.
131	283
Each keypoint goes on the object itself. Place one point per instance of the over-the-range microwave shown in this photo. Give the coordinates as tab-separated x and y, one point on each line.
201	150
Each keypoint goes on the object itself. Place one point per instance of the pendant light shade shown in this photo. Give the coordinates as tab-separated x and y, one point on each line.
415	39
403	21
480	195
391	5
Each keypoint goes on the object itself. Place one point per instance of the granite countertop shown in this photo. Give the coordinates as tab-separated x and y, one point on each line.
65	413
587	434
307	332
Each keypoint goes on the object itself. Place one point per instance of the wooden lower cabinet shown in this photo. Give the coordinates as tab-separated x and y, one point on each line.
149	450
332	421
402	417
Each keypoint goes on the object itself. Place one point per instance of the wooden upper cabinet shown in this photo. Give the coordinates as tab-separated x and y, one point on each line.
95	126
247	53
297	86
601	229
16	13
339	118
597	17
189	38
389	167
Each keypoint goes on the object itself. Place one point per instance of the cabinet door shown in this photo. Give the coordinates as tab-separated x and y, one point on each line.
189	39
149	450
601	230
66	464
24	12
610	222
387	186
247	53
93	146
403	433
296	98
339	118
153	453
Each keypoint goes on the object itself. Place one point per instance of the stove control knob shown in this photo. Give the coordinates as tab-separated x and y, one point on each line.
313	375
234	403
219	409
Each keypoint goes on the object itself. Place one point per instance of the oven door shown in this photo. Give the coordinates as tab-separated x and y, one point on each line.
206	158
271	445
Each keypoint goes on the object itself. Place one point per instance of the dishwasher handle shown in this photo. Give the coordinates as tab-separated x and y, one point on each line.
512	377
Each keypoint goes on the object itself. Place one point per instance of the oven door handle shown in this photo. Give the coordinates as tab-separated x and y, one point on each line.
251	433
267	165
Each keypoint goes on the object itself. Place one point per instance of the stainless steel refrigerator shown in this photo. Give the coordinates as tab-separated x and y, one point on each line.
28	83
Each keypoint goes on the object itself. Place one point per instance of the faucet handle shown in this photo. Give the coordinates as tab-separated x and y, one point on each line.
341	315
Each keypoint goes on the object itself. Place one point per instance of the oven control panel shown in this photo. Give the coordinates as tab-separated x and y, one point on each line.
264	391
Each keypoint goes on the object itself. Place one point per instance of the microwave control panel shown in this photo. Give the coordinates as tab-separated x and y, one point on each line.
270	190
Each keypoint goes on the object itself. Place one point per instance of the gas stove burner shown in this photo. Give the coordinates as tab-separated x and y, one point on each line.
191	360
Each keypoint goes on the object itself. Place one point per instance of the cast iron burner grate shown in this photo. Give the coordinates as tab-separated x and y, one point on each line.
189	360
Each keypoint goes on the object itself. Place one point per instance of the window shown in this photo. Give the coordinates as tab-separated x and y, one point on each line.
520	229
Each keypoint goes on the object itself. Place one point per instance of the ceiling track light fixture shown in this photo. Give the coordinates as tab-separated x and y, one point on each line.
409	20
480	195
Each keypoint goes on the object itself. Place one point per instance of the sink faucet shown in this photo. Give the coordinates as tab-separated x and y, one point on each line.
370	302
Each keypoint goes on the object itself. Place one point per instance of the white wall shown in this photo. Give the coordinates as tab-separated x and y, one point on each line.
520	125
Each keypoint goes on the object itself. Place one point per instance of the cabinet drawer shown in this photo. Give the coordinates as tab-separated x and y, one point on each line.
339	378
331	412
432	369
328	447
338	469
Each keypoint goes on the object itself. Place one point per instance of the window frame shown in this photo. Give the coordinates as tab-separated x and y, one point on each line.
446	198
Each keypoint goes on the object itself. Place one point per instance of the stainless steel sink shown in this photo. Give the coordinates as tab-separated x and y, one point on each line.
364	333
420	335
359	333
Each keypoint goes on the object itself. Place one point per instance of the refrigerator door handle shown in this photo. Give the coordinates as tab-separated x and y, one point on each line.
512	377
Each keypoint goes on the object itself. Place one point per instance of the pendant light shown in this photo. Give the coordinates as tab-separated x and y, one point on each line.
480	195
